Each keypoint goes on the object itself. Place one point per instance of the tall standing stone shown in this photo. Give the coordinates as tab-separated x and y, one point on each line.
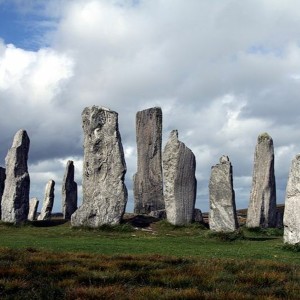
69	192
262	204
148	183
179	166
222	214
15	198
48	201
2	184
104	168
33	206
291	219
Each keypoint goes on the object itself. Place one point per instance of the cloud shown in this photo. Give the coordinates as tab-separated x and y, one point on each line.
222	71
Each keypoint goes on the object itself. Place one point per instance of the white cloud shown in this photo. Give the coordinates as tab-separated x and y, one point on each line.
36	77
222	71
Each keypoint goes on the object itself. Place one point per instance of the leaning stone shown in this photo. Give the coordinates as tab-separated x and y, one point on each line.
104	168
33	206
262	204
15	198
222	214
48	201
159	214
179	165
198	215
148	183
291	219
2	184
69	192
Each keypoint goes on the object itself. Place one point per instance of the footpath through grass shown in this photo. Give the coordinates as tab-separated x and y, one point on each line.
160	261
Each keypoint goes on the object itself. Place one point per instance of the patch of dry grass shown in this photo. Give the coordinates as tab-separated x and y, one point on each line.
36	274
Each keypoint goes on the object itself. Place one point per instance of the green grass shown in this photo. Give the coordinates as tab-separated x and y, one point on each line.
161	261
164	239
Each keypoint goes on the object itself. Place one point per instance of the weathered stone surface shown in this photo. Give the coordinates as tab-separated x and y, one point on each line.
222	214
15	198
48	201
291	219
279	219
2	184
104	168
179	165
262	204
198	215
69	192
33	206
148	183
159	214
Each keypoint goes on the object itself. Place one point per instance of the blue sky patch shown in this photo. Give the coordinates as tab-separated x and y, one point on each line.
25	28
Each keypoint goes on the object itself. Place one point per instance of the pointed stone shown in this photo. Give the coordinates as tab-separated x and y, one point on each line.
222	214
69	192
2	184
15	198
33	206
104	168
262	204
148	183
291	219
48	201
179	165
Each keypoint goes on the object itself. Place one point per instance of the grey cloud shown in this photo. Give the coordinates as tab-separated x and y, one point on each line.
223	72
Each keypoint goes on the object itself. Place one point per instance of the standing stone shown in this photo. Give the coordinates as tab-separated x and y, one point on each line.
104	168
291	219
179	167
69	192
33	206
222	214
262	205
198	217
2	184
48	201
148	183
15	198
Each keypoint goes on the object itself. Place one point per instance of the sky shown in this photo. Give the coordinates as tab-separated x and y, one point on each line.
222	71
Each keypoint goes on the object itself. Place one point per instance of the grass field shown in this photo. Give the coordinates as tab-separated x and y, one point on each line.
160	261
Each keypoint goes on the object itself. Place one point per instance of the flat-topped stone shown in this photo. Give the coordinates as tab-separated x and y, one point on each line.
148	183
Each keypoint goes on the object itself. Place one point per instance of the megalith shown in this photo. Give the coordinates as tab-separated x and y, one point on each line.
69	192
179	166
15	198
33	206
198	217
222	213
147	182
104	168
2	184
291	219
262	204
48	201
